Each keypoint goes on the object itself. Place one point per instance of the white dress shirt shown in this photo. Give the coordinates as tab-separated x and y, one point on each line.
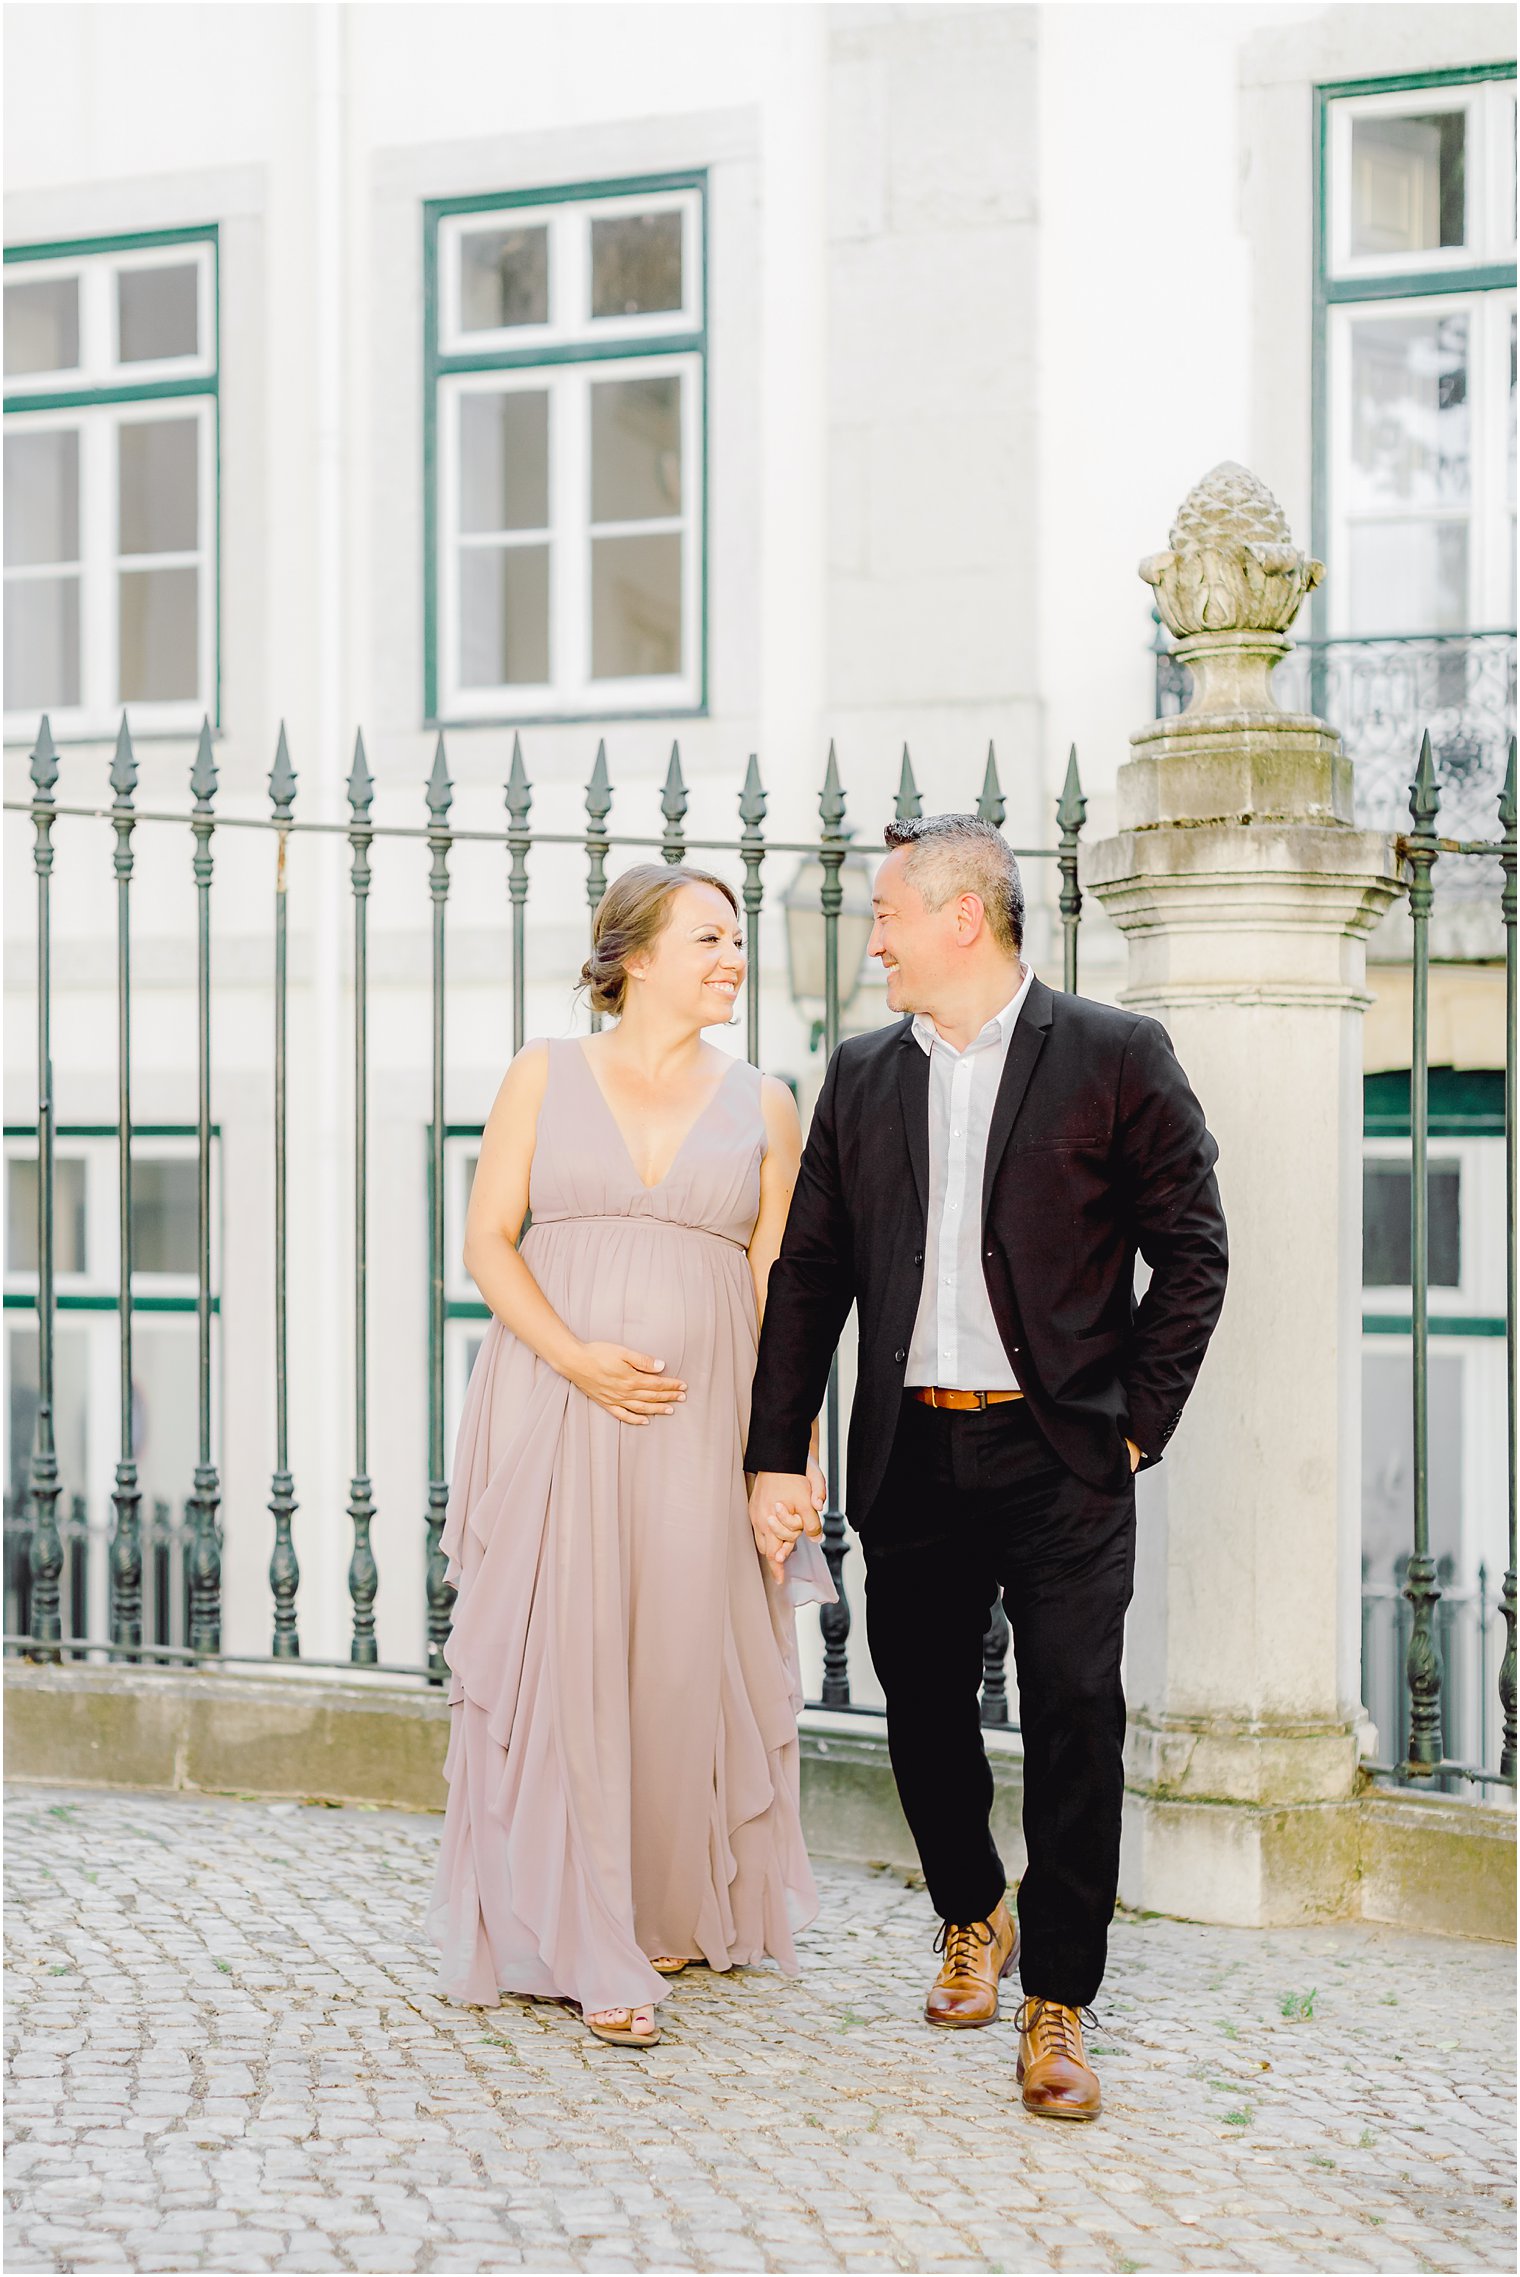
955	1342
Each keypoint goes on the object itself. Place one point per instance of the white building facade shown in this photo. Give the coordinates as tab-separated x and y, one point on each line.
744	377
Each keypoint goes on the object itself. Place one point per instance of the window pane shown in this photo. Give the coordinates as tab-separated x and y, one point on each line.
1409	411
1408	183
503	279
41	497
504	460
636	448
157	313
1386	1250
635	264
1388	1458
21	1215
165	1410
159	476
41	643
157	632
1408	577
42	326
504	616
635	606
164	1217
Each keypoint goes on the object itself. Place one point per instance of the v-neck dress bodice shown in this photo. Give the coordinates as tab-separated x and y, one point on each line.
623	1759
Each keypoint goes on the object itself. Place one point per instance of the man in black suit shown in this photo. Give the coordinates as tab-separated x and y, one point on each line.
978	1181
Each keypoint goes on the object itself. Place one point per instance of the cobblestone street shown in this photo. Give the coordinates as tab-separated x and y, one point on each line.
224	2055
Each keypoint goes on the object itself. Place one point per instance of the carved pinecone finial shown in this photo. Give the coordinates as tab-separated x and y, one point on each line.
1232	565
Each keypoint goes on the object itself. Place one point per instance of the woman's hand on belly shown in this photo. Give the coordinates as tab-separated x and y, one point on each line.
630	1385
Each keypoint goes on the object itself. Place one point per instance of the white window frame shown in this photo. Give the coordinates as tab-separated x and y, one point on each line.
1489	508
100	564
570	320
1480	1284
129	392
1489	175
570	688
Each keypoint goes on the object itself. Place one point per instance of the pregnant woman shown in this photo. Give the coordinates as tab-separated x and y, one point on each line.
623	1756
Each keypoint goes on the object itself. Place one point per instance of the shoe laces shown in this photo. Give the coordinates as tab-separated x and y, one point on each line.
1053	2028
958	1941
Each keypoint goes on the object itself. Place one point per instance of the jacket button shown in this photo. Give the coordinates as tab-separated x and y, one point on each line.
899	1355
987	1253
918	1257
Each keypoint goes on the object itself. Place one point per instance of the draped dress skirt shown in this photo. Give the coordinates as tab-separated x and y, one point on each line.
623	1762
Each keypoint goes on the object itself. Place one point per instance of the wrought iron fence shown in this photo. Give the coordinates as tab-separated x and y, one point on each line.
1379	695
170	1610
1470	1637
44	1610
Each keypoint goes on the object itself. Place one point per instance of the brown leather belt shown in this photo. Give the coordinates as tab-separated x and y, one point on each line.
932	1396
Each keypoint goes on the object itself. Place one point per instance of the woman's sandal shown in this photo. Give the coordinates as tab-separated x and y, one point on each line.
668	1965
622	2035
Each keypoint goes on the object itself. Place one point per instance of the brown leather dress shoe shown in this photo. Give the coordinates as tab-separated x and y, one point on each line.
1053	2070
978	1955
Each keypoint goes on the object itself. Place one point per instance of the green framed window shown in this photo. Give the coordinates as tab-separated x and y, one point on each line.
86	1350
565	458
111	456
1415	354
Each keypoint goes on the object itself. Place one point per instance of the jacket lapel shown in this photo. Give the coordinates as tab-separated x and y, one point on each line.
1023	1052
913	1086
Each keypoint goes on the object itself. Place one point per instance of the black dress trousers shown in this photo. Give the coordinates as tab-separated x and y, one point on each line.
976	1501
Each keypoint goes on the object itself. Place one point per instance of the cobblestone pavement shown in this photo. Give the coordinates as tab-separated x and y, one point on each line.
224	2055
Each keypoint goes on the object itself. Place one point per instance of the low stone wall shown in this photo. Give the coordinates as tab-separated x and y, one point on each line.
1419	1862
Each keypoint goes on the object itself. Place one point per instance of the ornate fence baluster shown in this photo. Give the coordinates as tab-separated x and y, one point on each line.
126	1542
1071	813
752	804
1511	1139
1423	1667
992	806
363	1574
205	1548
46	1556
909	804
440	797
995	1665
598	844
284	1567
519	839
673	802
834	1620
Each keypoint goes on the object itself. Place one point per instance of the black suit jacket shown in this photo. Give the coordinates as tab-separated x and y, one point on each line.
1098	1151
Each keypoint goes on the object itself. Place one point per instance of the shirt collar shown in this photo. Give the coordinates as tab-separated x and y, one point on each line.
927	1035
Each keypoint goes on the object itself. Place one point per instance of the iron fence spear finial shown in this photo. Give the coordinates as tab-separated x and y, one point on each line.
909	804
992	806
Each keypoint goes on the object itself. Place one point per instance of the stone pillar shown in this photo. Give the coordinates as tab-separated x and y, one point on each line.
1246	894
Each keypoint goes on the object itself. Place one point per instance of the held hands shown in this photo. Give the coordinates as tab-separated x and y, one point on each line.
782	1505
630	1385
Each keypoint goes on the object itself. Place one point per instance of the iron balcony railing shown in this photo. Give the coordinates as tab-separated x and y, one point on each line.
187	1569
1379	694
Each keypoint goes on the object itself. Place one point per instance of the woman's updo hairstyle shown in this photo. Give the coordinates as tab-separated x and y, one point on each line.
630	916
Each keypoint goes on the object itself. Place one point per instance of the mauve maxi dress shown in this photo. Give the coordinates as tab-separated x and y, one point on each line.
623	1760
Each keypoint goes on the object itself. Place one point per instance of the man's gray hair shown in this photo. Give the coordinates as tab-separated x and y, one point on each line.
959	853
